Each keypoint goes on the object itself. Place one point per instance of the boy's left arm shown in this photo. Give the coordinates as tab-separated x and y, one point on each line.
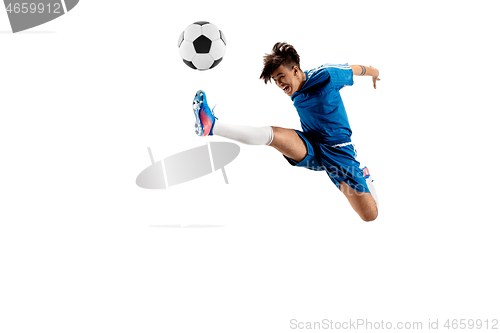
363	70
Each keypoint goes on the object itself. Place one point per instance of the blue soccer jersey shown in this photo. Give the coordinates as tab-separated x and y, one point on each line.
319	105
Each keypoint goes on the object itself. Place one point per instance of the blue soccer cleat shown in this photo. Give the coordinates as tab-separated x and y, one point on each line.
205	118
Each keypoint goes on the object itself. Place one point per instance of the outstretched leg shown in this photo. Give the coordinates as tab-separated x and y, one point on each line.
285	140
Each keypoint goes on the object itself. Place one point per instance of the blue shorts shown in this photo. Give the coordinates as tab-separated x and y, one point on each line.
339	163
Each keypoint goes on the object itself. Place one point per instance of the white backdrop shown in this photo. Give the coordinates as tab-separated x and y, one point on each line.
83	249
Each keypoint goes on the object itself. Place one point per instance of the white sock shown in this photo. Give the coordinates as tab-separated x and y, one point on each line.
249	135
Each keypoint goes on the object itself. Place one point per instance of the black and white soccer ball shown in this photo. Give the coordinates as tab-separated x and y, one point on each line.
202	45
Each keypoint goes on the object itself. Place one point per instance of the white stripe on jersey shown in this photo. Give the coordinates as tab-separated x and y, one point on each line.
342	145
312	71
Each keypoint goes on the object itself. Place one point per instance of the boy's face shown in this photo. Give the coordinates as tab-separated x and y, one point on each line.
288	80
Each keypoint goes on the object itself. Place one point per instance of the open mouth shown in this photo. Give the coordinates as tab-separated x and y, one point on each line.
287	89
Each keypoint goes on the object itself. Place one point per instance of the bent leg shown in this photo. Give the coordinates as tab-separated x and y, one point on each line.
362	203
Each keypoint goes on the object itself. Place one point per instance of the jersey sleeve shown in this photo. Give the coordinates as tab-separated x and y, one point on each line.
340	75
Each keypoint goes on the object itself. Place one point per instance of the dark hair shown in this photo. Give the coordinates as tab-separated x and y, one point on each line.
283	54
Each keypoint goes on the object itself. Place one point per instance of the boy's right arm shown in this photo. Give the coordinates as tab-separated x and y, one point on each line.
363	70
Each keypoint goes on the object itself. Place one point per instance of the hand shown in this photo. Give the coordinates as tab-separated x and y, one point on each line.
375	76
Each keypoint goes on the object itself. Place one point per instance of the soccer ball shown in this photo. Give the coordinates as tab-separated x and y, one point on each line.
202	45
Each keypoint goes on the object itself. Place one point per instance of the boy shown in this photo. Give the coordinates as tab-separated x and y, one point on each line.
324	144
